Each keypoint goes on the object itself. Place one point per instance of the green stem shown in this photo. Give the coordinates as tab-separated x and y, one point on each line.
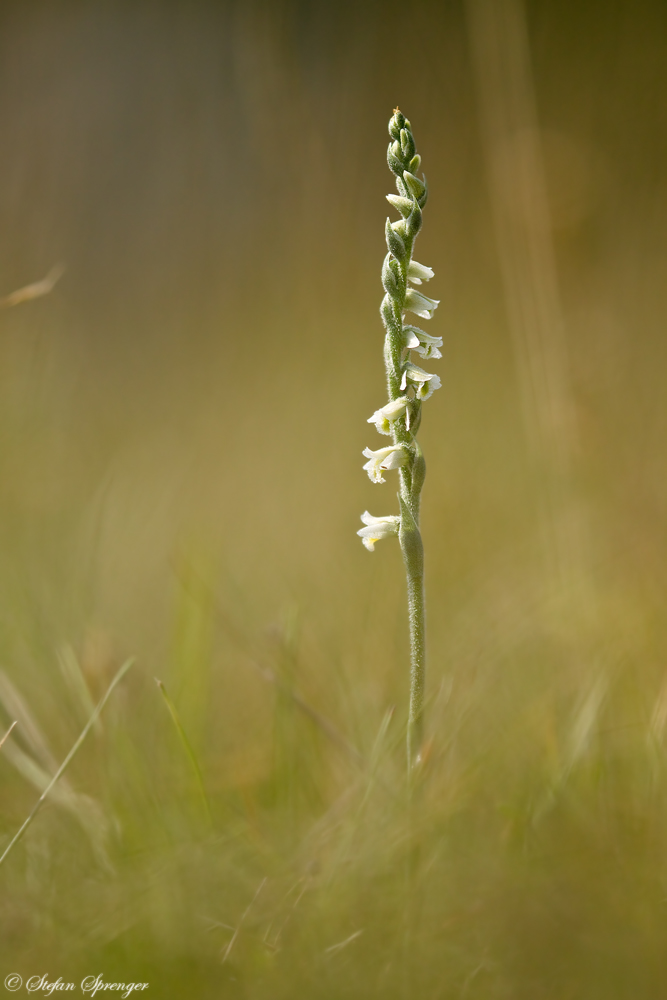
413	556
417	618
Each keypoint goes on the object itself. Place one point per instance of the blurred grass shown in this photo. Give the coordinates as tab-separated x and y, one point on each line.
181	426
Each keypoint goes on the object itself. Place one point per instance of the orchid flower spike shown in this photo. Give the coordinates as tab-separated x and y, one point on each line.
409	386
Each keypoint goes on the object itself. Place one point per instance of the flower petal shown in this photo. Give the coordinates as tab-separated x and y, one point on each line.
392	457
420	304
419	272
426	389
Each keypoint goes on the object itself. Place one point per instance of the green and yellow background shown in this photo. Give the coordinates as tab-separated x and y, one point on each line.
181	427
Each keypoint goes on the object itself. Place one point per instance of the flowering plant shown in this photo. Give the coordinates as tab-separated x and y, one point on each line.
408	387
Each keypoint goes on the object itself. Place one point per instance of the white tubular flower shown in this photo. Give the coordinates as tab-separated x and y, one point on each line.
423	383
420	304
384	458
426	389
419	272
384	418
423	343
377	528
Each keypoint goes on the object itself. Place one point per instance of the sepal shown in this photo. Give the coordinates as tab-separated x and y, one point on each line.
395	243
415	186
402	205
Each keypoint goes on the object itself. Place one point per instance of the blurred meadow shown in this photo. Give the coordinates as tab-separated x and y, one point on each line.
181	427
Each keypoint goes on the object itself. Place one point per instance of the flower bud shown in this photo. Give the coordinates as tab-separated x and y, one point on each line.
395	244
413	416
387	313
395	164
415	163
407	144
415	186
396	123
414	220
402	205
418	468
389	279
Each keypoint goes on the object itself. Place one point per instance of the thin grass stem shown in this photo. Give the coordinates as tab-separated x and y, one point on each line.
65	764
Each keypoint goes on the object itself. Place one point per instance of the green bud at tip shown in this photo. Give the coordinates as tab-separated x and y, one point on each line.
396	123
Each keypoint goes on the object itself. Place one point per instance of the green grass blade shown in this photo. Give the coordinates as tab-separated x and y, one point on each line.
187	746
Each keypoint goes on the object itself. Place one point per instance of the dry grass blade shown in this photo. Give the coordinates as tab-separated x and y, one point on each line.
242	920
7	734
334	948
39	768
91	722
16	708
35	290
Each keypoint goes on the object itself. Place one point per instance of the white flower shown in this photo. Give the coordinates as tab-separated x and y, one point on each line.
426	389
423	343
423	383
377	528
419	272
384	417
384	458
420	304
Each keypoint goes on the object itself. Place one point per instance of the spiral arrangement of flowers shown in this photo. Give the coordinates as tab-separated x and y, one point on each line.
408	386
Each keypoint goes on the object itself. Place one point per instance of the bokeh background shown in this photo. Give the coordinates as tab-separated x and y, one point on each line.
181	427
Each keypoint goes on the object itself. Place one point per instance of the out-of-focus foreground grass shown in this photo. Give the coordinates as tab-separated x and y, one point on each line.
181	426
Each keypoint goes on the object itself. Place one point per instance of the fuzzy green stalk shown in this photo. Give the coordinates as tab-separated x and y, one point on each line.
408	386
